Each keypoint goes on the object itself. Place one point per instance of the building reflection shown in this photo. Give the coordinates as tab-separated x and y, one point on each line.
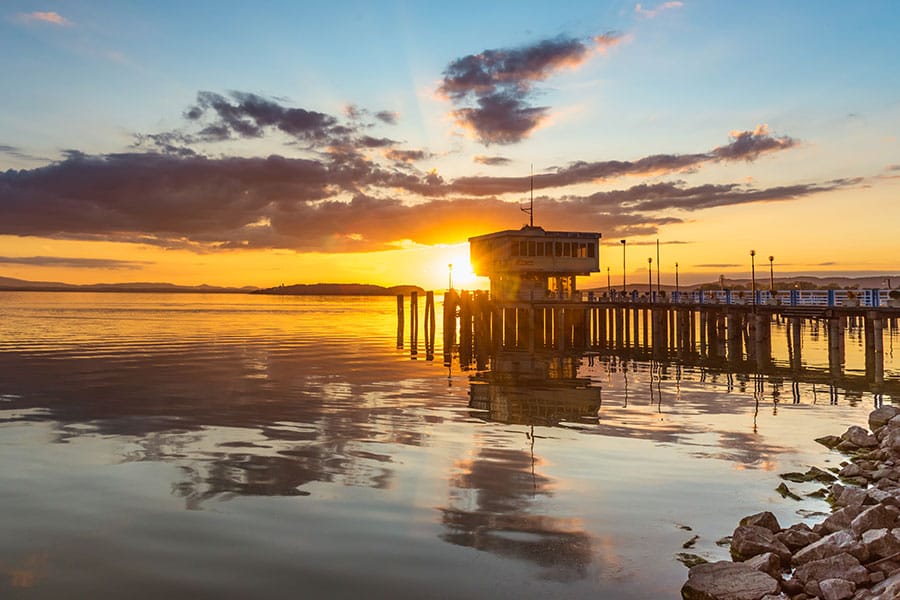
494	507
534	389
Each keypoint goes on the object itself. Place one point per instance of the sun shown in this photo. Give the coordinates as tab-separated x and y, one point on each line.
460	269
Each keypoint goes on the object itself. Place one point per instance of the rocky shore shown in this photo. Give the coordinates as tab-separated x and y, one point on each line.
854	554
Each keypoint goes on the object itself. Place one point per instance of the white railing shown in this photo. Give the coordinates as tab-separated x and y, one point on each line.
864	298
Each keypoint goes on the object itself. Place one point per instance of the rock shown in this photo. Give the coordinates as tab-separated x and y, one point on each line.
838	520
888	589
836	589
847	496
795	539
884	497
859	437
786	492
881	543
763	519
750	540
829	441
879	417
726	580
690	560
891	440
875	517
841	566
851	470
847	446
768	563
811	589
820	475
831	545
690	543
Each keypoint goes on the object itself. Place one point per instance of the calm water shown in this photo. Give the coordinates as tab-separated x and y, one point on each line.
237	446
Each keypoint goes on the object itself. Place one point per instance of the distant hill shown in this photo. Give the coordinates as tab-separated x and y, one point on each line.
21	285
340	289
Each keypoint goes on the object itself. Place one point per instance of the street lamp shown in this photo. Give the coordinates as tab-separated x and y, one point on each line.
608	283
450	276
624	287
771	274
650	278
677	290
753	275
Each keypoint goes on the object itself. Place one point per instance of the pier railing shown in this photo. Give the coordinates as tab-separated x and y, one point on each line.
871	298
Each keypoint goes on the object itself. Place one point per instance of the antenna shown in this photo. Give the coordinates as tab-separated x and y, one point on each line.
530	210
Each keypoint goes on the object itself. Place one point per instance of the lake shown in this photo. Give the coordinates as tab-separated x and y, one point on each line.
235	446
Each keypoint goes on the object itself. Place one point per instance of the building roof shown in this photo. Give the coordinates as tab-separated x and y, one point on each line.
528	231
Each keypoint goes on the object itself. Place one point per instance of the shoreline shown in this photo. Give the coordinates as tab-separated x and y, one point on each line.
853	554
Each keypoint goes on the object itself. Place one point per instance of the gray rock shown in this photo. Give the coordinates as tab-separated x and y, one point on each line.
768	563
831	545
726	580
889	589
795	539
763	519
880	417
838	520
851	470
836	589
859	437
875	517
829	441
881	543
748	541
847	496
841	566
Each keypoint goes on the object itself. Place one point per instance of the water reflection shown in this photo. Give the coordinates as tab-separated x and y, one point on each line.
492	500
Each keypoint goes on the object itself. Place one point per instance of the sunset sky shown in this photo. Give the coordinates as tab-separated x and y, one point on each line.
293	142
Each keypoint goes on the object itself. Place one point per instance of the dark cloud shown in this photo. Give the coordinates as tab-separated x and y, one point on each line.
387	116
76	263
500	84
893	168
748	145
15	152
491	161
406	156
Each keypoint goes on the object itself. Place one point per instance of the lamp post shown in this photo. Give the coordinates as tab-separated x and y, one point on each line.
771	274
450	276
608	283
624	287
650	278
753	275
677	289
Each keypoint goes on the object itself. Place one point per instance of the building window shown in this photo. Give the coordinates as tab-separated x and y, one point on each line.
590	250
531	249
540	248
559	249
567	249
523	248
514	249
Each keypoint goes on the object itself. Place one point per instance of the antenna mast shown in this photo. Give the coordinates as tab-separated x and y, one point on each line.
530	210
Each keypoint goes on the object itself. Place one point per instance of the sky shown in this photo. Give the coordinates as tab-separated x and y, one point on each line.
290	142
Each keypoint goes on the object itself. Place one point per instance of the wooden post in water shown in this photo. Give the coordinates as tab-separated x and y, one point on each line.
413	324
465	330
835	353
429	325
399	321
450	301
794	324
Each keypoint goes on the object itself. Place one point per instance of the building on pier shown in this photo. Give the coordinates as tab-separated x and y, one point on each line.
534	265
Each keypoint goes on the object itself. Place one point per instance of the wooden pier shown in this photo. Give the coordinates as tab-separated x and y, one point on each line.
734	337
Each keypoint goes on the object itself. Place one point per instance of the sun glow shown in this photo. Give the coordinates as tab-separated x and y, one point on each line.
460	269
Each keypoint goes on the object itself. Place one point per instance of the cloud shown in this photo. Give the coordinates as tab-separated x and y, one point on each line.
76	263
406	156
649	13
748	145
491	161
43	17
387	116
500	83
18	153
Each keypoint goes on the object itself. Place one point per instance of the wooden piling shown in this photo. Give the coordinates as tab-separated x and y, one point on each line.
399	321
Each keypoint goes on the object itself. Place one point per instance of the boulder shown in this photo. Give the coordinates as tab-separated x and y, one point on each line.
847	496
838	520
763	519
839	542
879	417
889	589
841	566
836	589
829	441
726	580
749	540
851	470
859	437
768	563
874	517
881	543
795	538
